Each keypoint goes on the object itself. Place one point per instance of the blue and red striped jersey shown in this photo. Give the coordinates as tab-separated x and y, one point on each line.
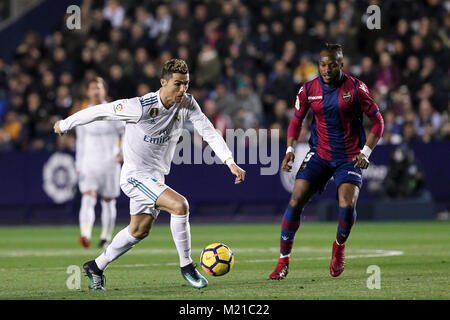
337	131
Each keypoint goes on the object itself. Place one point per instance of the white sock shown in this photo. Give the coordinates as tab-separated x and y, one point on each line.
284	255
181	234
87	215
109	213
122	242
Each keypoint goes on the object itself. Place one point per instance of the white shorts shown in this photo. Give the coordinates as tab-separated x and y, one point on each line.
143	192
106	183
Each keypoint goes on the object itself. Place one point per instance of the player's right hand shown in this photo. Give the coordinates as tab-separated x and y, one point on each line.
289	158
57	129
238	172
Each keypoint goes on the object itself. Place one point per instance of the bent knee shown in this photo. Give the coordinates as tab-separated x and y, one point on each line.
297	202
181	207
347	202
140	233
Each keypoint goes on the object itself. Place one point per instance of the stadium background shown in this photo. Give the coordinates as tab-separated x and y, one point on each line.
247	60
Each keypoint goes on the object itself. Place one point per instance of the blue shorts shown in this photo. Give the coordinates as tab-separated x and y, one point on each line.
318	172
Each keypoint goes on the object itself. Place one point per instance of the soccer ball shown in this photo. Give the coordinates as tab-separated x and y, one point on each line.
217	259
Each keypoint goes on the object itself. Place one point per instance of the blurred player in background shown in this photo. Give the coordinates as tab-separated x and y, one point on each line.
338	149
154	123
98	158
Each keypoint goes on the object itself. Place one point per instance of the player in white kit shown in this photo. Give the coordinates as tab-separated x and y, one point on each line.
153	127
97	161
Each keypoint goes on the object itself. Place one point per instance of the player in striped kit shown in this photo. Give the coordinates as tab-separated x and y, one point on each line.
97	161
153	126
338	149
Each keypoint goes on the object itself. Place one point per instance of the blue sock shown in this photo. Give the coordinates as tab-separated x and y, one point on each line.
346	219
289	225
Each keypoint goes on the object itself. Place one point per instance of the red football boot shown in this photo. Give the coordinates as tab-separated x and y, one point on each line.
85	242
337	259
281	269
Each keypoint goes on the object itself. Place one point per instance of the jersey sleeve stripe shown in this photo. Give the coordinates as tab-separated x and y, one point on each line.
148	103
150	99
300	118
374	113
355	84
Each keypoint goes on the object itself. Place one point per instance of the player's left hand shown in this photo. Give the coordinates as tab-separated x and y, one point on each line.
361	161
238	172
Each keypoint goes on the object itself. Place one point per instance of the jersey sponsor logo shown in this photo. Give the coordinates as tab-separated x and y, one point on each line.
346	96
154	112
158	140
118	107
314	97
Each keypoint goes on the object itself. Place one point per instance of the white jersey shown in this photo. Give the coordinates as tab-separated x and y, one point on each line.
151	131
97	146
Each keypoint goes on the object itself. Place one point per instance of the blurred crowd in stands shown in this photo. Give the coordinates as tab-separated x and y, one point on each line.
247	61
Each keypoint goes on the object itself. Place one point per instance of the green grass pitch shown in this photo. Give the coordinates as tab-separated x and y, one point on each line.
413	259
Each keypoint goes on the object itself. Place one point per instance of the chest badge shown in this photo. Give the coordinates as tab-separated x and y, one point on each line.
154	112
347	96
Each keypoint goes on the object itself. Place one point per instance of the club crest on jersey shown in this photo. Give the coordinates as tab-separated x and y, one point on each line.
154	112
159	184
347	96
118	107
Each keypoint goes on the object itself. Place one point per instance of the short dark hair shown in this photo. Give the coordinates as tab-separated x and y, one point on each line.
174	66
333	48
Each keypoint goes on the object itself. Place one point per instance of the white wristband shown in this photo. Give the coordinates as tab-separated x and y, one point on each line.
366	151
290	149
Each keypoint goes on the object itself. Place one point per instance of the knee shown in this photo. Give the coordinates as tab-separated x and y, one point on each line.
181	207
297	202
346	202
348	195
140	232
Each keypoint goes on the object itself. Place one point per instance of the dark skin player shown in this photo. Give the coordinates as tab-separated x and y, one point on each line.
330	69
